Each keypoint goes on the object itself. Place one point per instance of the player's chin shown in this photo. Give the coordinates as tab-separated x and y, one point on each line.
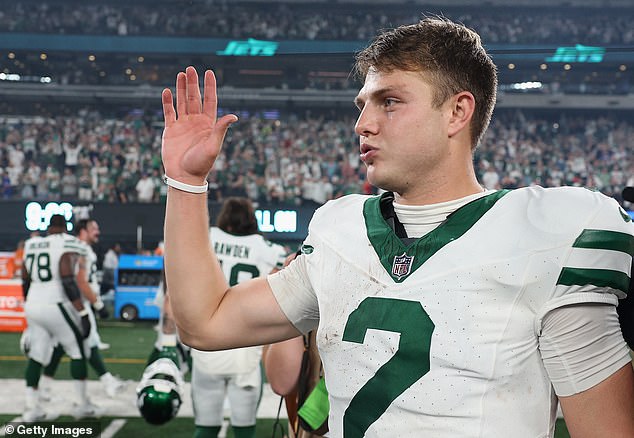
374	176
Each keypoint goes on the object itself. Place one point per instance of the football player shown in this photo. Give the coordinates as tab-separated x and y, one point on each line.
243	254
87	231
55	314
443	309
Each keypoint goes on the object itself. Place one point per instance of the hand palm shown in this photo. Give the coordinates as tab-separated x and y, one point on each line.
188	146
192	142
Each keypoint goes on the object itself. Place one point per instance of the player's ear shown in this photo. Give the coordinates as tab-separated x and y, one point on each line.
462	106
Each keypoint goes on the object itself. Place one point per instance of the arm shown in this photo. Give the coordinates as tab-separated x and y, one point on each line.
208	314
282	364
282	361
603	411
590	368
626	312
82	281
69	282
86	289
26	281
588	336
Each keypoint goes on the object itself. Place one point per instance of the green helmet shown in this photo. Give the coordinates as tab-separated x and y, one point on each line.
159	395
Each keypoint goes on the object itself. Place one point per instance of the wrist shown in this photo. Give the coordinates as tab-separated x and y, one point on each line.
185	187
83	312
98	305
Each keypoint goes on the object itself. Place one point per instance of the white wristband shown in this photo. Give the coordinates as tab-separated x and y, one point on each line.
185	187
83	312
98	305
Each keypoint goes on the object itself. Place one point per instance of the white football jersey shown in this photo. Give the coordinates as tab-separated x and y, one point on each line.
241	258
41	260
440	338
91	267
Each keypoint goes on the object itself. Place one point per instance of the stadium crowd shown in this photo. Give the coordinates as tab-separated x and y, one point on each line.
293	159
286	20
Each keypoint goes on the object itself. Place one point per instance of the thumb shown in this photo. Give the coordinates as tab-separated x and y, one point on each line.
222	125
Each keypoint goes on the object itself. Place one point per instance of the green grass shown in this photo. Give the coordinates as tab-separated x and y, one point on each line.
131	344
183	427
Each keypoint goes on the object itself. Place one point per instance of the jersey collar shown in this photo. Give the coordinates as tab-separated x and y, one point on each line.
401	259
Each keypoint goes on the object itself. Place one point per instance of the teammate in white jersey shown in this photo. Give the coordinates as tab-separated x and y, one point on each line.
87	231
235	374
442	310
55	313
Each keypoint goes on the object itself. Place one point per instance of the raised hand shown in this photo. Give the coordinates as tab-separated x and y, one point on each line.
193	136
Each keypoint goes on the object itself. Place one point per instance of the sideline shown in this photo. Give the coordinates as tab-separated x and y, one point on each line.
114	427
22	358
123	405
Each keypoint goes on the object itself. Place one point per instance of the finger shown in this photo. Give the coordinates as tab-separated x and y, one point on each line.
210	104
220	129
181	91
169	115
194	105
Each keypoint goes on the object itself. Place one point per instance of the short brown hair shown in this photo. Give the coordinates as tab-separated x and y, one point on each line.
451	56
237	216
82	224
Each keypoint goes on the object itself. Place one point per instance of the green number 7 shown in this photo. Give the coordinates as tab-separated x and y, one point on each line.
409	364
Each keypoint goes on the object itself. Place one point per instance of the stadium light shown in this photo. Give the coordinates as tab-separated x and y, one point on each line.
9	77
526	85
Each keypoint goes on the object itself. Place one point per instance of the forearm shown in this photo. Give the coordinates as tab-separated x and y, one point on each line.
195	280
86	290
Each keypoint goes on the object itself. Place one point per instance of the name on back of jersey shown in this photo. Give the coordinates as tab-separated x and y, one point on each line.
233	250
37	245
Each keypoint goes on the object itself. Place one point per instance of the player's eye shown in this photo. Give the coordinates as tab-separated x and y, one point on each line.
389	102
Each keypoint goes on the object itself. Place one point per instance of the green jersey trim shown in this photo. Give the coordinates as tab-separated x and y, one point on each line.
596	277
603	239
399	260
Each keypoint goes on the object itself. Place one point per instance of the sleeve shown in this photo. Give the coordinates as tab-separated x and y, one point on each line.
597	266
71	244
578	328
582	345
294	290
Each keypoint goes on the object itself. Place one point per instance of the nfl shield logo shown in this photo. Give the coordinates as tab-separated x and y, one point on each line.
402	266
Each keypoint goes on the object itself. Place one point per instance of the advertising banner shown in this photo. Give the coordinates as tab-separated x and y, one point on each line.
7	265
12	317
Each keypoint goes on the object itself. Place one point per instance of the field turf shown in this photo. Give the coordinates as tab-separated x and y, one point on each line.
130	346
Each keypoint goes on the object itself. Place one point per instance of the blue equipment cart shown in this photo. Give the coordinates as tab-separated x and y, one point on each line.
137	280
